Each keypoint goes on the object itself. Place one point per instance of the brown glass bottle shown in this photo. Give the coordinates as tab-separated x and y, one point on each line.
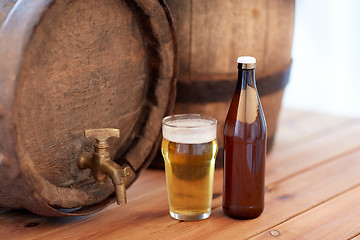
244	148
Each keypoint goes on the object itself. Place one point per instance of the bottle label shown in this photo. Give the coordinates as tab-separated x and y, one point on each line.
248	105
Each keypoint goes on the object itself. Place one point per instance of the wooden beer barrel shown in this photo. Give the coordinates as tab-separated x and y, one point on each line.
72	65
212	35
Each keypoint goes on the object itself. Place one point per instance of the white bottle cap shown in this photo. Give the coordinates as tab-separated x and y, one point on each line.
246	62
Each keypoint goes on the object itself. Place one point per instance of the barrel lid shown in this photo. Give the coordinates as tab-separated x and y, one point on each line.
76	65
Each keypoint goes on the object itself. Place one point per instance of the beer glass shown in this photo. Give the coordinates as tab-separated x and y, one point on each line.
189	148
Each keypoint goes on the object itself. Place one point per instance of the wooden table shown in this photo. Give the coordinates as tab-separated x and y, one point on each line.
312	192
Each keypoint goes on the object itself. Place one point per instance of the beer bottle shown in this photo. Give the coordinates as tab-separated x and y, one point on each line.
244	147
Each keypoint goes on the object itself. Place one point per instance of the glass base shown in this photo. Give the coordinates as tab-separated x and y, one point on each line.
193	217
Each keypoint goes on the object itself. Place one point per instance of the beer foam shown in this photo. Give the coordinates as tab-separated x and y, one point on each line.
246	60
189	131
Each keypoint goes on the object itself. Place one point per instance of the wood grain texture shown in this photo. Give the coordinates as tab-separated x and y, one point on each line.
315	201
283	201
293	131
357	237
212	34
291	197
75	65
219	32
326	221
5	8
312	152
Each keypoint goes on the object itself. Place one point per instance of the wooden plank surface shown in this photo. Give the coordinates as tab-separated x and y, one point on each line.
324	221
312	192
311	125
304	155
357	237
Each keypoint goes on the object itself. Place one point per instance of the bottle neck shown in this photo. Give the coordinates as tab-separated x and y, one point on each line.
246	77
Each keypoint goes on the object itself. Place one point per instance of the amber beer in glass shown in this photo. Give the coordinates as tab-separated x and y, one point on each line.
189	148
244	147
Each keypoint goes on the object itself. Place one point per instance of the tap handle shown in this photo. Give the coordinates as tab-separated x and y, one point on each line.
101	135
101	164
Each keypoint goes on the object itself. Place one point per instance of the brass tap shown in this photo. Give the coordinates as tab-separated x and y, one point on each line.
101	164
